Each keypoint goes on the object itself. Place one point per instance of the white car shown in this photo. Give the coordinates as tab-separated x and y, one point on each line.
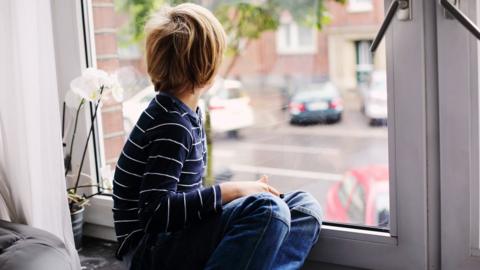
375	98
229	106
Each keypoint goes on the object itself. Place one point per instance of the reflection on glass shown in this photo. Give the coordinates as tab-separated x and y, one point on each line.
305	105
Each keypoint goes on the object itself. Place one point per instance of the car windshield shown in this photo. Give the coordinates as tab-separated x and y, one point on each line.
316	92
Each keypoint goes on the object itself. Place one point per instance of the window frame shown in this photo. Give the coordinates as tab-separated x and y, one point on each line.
295	47
406	243
354	6
459	61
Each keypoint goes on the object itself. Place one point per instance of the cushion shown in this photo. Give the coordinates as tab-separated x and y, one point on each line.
26	248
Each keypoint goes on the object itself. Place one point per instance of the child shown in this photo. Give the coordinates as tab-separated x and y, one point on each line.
164	217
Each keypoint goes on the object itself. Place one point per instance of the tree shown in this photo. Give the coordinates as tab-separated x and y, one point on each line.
243	21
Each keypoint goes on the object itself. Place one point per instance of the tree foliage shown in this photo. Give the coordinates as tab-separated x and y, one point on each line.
242	19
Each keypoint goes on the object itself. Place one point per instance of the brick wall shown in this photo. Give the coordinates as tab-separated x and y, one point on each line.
261	57
105	28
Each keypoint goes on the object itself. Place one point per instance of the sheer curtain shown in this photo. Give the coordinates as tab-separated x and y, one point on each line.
31	156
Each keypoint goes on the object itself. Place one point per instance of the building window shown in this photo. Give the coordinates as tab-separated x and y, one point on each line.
296	39
364	60
360	5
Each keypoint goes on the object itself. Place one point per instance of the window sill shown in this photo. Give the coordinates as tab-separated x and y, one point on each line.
336	232
99	223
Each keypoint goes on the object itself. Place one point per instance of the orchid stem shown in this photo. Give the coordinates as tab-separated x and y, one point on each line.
88	139
69	165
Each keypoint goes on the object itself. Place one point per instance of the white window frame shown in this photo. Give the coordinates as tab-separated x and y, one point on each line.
458	61
412	151
295	47
355	6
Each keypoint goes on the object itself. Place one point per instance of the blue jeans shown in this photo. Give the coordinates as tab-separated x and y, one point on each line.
260	231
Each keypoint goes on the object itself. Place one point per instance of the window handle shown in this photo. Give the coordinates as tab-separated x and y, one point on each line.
462	18
404	14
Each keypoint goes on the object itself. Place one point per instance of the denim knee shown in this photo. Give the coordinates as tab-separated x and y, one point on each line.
304	202
279	209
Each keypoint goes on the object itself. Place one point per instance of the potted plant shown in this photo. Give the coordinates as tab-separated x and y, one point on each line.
90	87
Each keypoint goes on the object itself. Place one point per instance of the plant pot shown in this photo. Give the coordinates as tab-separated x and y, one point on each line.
76	216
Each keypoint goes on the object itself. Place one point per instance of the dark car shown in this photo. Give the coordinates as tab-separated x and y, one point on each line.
316	103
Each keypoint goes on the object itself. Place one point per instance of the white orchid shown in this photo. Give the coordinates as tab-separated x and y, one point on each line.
91	86
72	100
90	83
115	88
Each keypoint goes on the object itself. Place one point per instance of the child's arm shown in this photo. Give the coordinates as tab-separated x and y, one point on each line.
233	190
162	208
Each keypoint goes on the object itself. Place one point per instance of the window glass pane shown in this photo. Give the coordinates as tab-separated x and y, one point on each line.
305	105
305	36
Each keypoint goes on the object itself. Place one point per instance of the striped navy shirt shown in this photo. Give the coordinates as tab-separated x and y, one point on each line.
157	185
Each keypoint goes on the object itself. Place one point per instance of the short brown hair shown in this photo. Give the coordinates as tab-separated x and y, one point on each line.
184	47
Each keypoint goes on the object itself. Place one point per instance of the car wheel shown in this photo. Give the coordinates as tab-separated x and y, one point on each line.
335	119
233	134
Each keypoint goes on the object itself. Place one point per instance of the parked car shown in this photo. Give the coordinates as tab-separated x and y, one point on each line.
229	106
320	102
375	98
361	197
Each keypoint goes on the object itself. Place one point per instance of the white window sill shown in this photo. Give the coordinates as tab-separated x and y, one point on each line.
99	224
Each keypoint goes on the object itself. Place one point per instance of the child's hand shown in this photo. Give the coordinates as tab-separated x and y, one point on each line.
234	190
264	180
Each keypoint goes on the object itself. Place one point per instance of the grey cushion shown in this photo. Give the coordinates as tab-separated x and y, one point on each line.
25	248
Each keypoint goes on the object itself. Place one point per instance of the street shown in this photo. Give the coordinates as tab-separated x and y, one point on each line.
309	158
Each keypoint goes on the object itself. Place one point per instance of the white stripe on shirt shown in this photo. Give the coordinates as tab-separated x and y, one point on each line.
162	174
165	109
172	124
134	174
199	142
141	147
167	158
189	185
200	196
125	240
149	115
122	185
136	160
192	160
168	214
170	140
136	125
123	199
126	220
214	199
191	173
184	210
153	190
126	209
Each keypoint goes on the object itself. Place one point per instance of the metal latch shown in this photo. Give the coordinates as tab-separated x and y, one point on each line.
404	8
453	11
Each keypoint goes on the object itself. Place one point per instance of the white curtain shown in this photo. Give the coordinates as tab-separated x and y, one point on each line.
33	182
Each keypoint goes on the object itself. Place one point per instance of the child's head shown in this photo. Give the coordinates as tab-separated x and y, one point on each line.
184	48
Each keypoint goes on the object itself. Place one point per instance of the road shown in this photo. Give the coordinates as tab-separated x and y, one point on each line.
310	158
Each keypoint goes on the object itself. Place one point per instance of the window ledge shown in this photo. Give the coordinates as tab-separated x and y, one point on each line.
329	231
